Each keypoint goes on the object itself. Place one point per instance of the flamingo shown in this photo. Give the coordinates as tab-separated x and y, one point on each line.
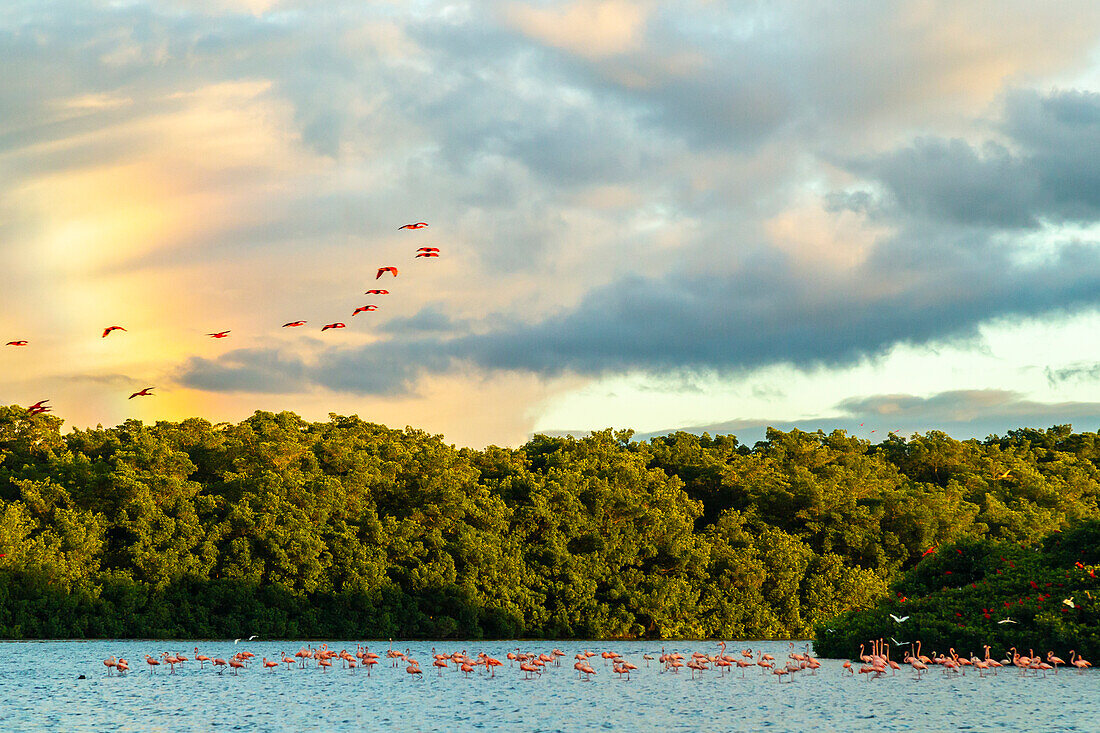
428	254
16	343
236	664
270	665
108	330
364	309
1080	663
1055	661
417	225
200	658
219	335
333	325
376	292
111	663
153	664
383	270
143	393
427	249
294	324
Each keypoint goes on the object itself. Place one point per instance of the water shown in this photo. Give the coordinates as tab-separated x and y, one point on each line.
39	690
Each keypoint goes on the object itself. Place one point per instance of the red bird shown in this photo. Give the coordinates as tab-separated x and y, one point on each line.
364	309
929	551
428	249
417	225
219	335
384	270
428	254
112	328
333	325
143	393
40	405
377	292
293	324
16	343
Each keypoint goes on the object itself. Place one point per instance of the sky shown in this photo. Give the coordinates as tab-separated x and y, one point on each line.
710	216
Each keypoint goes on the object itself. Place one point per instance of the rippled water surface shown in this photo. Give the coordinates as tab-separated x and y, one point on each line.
40	691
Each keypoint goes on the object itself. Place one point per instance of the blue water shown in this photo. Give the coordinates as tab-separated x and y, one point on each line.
39	690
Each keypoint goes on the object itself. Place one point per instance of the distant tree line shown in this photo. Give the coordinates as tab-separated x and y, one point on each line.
287	528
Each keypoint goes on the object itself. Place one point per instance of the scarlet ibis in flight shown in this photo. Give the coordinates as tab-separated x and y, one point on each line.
143	393
333	325
112	328
377	292
417	225
38	407
384	270
16	343
219	335
292	324
364	309
427	254
428	249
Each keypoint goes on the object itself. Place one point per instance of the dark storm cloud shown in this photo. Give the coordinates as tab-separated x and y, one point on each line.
763	314
1049	175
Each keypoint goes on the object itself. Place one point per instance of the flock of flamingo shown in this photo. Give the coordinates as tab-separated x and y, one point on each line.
532	665
422	252
878	662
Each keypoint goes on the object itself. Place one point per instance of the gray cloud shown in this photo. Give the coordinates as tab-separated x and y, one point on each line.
1049	176
764	314
1072	373
264	371
962	414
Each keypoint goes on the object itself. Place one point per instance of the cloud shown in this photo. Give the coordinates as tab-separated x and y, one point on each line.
590	28
1046	175
962	414
1072	373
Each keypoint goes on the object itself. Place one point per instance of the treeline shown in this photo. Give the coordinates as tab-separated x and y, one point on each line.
288	528
971	593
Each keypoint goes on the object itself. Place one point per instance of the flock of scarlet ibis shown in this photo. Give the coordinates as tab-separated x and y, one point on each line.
422	252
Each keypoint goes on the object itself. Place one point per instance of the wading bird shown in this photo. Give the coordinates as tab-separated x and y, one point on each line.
333	325
108	330
383	270
417	225
364	309
292	324
16	343
143	393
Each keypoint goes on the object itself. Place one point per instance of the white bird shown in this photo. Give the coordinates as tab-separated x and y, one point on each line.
254	636
900	643
1069	602
899	620
236	640
1007	621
